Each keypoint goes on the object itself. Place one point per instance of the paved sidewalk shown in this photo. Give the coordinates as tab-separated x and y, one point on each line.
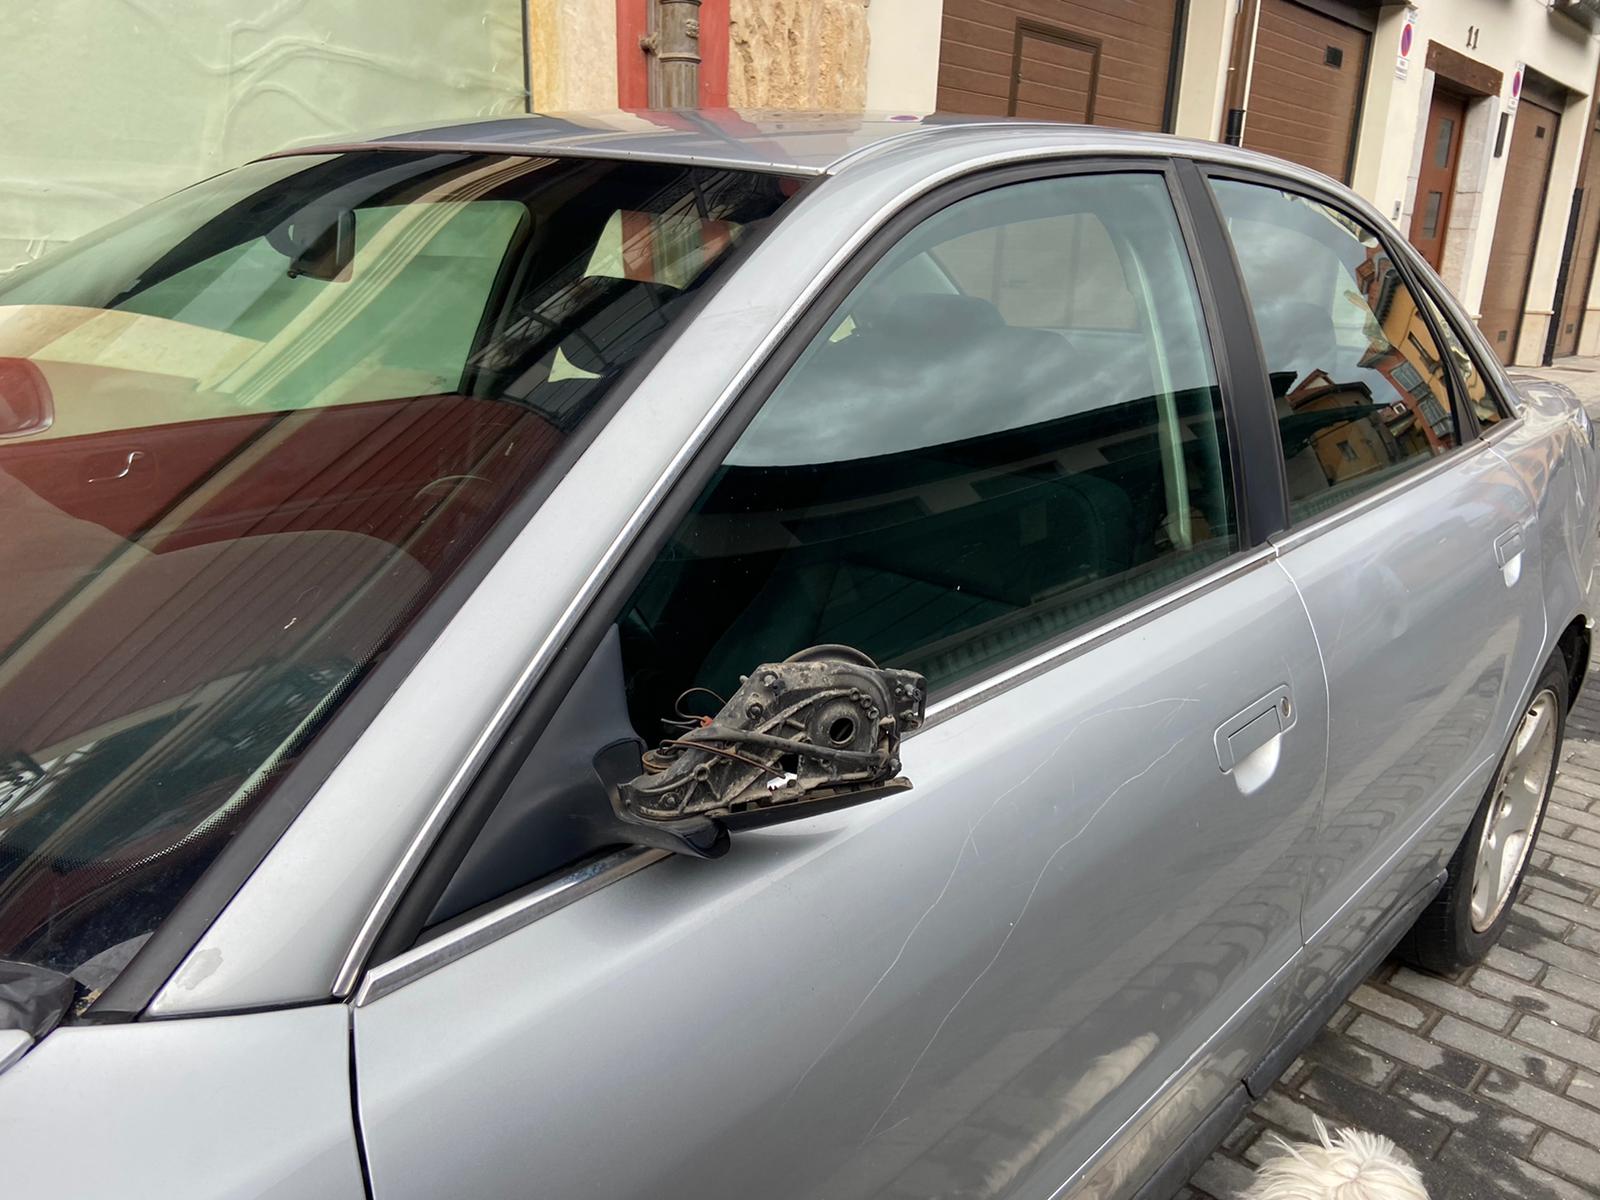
1490	1080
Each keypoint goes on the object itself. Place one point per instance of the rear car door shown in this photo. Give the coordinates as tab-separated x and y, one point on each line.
1000	457
1414	545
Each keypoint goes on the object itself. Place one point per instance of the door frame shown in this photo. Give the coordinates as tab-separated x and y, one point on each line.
1462	100
1538	224
398	953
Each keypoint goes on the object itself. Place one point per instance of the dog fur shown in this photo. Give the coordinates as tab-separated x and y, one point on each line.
1349	1165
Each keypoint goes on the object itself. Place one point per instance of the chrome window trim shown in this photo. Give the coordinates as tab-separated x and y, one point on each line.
1502	429
1288	539
590	877
1139	613
495	924
380	910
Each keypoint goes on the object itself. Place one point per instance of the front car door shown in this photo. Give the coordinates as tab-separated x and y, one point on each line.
1002	459
1414	545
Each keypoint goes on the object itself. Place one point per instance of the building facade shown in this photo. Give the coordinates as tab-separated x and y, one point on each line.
104	107
1469	123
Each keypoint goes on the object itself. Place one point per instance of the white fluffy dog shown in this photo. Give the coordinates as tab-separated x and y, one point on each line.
1350	1165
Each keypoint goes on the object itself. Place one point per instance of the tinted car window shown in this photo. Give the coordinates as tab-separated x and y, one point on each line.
980	451
1360	391
1480	396
261	424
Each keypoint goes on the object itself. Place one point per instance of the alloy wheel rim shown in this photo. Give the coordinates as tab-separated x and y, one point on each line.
1517	801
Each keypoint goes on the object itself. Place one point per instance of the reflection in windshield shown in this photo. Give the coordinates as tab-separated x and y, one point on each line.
283	406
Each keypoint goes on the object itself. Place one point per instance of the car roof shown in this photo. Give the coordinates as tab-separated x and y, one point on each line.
795	143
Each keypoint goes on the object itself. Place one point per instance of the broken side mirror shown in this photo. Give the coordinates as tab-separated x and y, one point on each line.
820	730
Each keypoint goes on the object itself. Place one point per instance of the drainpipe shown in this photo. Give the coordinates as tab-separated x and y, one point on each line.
1568	247
1240	60
673	45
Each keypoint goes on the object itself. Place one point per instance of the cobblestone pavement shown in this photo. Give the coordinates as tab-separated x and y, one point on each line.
1490	1080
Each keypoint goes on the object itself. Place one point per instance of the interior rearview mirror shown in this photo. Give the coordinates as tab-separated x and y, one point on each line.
318	242
820	730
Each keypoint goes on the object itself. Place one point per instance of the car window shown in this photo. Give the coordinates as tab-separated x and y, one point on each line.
1018	269
1480	396
248	434
425	270
949	478
1360	391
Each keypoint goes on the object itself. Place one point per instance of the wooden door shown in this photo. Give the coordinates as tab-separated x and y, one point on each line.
1436	181
1305	87
1516	228
1101	62
1575	300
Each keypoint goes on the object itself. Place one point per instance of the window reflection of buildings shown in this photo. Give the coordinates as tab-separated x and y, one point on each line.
1407	357
1345	448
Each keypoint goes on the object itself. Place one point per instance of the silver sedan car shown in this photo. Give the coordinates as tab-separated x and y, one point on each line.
718	657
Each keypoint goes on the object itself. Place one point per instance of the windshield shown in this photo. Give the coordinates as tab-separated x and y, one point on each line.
244	436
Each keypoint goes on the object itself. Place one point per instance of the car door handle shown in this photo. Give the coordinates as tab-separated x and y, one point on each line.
1250	730
125	463
1508	554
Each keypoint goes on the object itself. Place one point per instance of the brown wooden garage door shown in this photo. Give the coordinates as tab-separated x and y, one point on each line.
1305	87
1580	273
1516	228
1099	61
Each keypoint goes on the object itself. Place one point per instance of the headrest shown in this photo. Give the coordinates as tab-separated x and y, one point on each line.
666	248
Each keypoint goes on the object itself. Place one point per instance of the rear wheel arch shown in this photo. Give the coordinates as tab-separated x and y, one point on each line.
1574	645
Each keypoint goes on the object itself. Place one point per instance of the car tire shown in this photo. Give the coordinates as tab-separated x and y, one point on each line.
1466	918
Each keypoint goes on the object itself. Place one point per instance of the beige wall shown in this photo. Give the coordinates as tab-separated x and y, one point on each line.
1203	80
572	54
105	106
903	58
802	54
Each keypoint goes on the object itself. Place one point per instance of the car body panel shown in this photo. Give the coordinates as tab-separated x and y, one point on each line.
1426	647
854	1000
796	143
1551	447
250	1107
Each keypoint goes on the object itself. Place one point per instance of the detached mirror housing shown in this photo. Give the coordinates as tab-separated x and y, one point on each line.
818	731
